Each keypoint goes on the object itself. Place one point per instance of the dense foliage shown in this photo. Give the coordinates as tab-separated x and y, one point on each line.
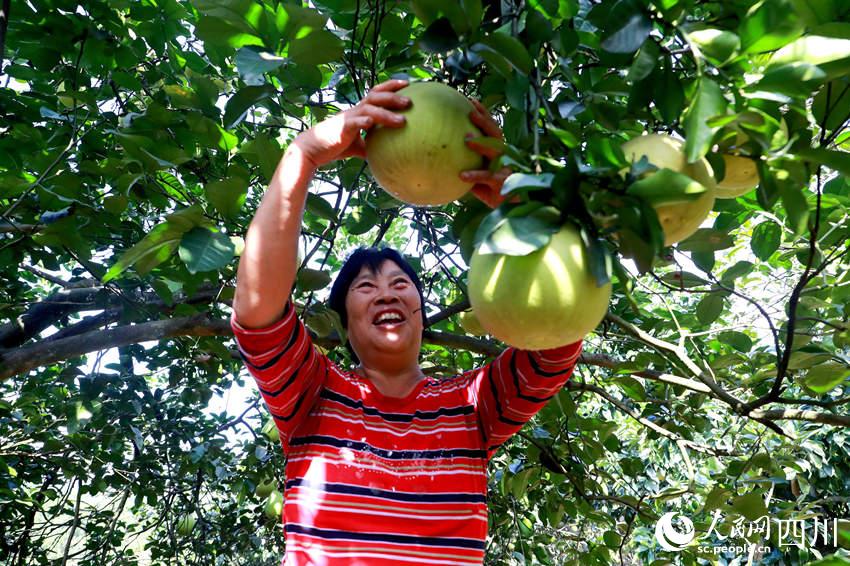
136	138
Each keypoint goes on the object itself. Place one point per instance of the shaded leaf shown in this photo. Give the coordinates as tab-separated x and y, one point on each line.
708	102
202	249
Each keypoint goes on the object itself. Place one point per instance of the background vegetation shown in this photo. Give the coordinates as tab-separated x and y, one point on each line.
136	138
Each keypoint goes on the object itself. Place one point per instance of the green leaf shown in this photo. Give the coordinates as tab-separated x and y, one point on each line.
509	49
751	506
716	44
217	32
239	104
796	207
793	79
627	29
439	37
312	279
767	236
666	187
632	387
521	235
316	48
707	240
769	25
645	62
740	269
834	159
360	220
321	208
669	96
826	376
201	249
830	54
710	308
227	195
708	102
253	63
263	153
833	560
527	181
737	340
158	245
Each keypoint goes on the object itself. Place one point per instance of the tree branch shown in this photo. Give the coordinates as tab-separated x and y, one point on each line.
710	450
23	359
801	415
736	404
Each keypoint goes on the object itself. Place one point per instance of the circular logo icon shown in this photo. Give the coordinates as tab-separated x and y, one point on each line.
669	537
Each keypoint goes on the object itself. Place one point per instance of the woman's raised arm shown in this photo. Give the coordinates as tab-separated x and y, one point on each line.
268	264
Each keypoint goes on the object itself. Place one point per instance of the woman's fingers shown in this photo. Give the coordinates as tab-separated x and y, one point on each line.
482	118
495	180
390	85
485	150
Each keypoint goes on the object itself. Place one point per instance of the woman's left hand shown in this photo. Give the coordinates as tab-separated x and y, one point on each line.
487	185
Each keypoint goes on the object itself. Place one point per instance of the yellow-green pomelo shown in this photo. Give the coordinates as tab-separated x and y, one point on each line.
419	163
265	487
470	323
185	525
273	507
541	300
271	431
742	176
682	219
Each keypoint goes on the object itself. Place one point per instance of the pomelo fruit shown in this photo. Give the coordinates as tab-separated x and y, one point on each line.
542	300
265	487
678	220
273	508
419	163
185	525
271	431
470	323
742	176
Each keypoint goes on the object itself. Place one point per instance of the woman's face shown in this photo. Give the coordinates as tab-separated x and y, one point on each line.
383	313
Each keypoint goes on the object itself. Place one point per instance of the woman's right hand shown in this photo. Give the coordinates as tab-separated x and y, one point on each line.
340	136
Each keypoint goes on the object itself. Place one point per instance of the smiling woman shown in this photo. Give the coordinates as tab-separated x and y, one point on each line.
384	465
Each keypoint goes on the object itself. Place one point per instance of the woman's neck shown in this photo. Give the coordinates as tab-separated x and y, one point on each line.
392	383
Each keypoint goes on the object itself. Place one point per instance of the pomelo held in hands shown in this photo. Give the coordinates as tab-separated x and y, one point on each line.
541	300
681	219
419	163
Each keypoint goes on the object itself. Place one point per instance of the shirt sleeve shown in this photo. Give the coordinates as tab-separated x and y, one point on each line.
288	369
511	389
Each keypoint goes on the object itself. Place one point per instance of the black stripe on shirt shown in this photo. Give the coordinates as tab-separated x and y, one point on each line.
292	378
544	373
397	417
412	540
276	358
495	391
519	392
323	440
385	494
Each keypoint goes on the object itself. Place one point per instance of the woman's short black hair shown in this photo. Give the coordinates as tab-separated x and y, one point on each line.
371	258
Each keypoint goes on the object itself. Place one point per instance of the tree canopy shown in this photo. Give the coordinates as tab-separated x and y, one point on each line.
136	140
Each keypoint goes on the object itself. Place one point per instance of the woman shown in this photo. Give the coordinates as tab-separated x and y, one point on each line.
384	465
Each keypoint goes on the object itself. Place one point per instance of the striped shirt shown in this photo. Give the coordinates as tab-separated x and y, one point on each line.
374	480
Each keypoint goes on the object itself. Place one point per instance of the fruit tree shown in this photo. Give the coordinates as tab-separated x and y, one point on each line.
136	139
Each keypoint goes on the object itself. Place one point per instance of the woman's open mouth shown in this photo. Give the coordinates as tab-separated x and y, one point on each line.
388	319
